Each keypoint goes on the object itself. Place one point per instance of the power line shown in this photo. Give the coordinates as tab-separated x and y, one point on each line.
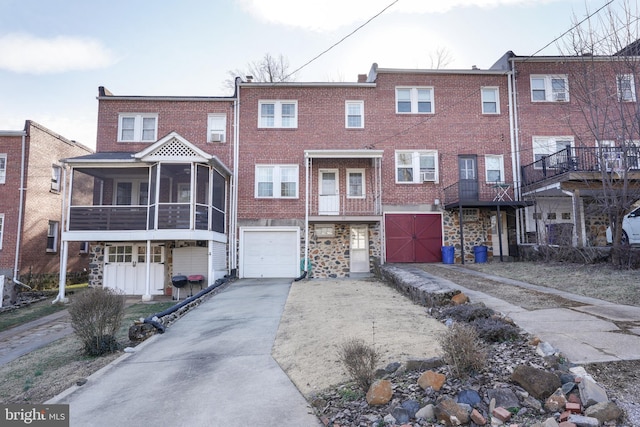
343	39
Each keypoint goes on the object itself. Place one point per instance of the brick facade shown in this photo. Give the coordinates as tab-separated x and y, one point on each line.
43	149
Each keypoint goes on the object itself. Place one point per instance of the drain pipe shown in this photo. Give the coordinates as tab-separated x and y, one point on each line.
20	208
153	319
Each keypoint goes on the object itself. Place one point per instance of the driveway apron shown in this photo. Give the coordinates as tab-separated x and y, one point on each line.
213	367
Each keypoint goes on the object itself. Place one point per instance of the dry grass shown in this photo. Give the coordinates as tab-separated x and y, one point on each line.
596	281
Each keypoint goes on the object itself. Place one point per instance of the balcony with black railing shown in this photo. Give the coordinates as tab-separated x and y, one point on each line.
477	193
582	159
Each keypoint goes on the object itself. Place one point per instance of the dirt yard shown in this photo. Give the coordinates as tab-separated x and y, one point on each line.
321	315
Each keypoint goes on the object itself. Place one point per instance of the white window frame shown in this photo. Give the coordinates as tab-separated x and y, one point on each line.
276	180
362	195
3	168
52	233
217	128
278	117
546	145
356	114
414	165
84	247
496	93
138	120
551	94
56	178
620	78
487	160
1	228
414	99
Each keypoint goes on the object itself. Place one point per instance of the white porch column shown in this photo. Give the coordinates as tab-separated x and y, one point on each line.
63	274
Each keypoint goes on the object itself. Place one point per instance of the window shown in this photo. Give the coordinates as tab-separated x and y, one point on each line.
278	114
132	193
414	100
537	215
354	114
137	127
52	236
470	214
494	167
549	88
120	253
626	88
277	181
325	230
56	174
355	183
551	215
3	168
545	146
216	128
1	228
566	215
490	100
416	166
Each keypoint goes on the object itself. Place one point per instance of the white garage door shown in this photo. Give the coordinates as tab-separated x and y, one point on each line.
272	252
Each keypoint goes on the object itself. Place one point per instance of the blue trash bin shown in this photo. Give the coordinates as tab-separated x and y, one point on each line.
448	253
480	253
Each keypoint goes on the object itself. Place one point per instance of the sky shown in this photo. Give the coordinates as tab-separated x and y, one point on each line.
55	54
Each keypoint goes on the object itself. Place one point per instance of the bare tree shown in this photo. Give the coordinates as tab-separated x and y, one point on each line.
441	58
269	69
602	90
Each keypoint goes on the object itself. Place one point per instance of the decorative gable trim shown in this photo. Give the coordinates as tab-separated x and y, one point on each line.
173	147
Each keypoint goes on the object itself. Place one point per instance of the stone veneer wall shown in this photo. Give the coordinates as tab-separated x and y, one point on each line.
475	233
96	264
596	222
330	255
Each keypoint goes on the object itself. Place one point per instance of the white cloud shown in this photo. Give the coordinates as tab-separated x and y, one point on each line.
24	53
328	15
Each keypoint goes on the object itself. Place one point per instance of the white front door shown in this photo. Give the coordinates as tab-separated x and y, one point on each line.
329	197
495	238
125	269
359	249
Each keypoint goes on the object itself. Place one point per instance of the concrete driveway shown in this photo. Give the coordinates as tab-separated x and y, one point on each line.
211	368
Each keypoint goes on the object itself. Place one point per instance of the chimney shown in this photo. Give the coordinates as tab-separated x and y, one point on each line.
249	79
362	78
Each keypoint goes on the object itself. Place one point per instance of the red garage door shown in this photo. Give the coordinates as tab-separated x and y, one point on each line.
413	237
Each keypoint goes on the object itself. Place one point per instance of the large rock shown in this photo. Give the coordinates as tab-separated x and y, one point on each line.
412	406
556	402
582	421
591	393
450	413
604	411
431	379
426	413
423	364
400	414
379	393
540	383
470	397
504	397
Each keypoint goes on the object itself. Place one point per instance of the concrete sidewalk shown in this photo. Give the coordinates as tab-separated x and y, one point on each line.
211	368
594	331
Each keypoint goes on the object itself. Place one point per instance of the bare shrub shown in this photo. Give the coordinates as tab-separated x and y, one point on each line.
462	349
360	361
495	330
467	312
96	316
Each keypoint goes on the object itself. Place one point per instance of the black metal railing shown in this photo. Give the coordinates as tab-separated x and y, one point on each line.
581	159
469	191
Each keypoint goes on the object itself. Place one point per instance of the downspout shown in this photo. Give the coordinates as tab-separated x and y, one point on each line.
233	262
515	148
64	247
20	210
305	261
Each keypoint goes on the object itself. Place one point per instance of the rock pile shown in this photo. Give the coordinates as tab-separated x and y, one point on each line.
517	388
524	383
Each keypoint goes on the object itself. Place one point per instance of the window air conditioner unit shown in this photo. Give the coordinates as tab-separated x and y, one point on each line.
560	96
217	137
429	176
